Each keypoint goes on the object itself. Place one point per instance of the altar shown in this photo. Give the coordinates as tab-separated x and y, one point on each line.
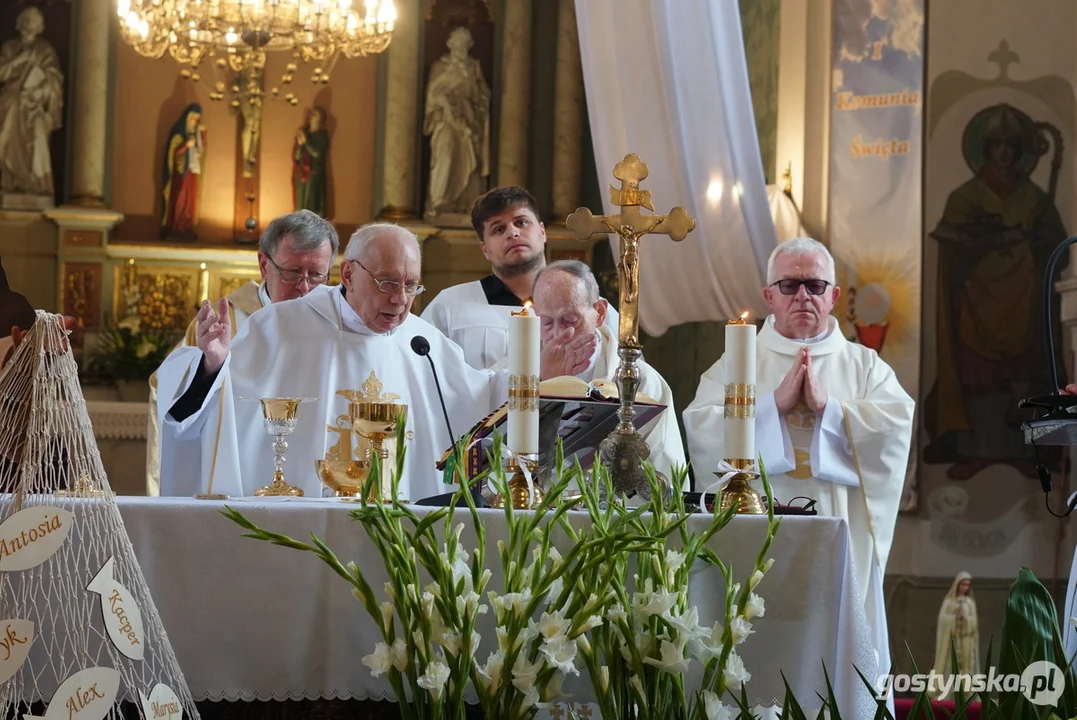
253	622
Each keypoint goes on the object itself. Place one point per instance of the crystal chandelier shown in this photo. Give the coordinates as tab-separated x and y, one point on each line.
237	34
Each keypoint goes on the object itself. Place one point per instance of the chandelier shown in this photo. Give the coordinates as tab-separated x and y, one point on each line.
236	35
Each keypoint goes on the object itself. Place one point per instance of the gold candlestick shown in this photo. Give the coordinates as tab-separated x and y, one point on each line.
738	493
377	422
519	497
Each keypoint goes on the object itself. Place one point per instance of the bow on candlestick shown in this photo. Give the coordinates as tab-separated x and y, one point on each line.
1059	425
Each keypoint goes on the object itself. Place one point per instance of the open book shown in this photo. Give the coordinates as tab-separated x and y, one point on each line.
581	415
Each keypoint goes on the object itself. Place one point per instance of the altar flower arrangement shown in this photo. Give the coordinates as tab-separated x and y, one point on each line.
639	659
430	646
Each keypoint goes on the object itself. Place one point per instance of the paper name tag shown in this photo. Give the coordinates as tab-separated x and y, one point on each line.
162	704
123	620
16	637
31	536
86	695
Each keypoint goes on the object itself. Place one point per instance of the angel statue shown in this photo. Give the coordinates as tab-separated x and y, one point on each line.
958	627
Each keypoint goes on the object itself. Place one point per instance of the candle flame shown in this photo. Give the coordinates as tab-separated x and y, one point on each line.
744	315
524	312
741	320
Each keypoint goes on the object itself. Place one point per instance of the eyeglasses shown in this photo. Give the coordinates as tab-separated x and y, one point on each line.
293	277
792	286
390	287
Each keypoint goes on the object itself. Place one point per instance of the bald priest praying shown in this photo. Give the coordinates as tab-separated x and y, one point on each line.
832	422
353	339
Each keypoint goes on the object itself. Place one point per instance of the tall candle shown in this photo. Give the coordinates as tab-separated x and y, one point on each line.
524	360
739	428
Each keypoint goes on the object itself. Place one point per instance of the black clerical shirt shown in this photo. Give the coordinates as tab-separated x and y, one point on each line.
498	293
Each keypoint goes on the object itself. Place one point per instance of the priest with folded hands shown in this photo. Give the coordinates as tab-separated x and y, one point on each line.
348	340
832	422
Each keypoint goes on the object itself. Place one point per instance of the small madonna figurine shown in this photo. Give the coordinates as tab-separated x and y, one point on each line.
958	626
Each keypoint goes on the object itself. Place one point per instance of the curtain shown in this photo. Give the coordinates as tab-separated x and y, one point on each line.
668	80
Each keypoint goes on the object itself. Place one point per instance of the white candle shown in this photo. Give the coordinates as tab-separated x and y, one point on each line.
739	426
524	360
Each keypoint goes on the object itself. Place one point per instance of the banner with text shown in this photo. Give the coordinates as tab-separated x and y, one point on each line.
876	130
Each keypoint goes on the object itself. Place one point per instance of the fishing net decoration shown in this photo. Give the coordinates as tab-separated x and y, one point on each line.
79	632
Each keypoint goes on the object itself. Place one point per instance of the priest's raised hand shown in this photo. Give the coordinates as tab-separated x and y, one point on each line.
568	353
213	333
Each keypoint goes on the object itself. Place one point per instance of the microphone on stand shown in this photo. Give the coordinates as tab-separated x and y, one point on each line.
421	346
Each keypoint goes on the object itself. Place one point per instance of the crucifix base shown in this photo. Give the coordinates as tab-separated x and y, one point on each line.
624	450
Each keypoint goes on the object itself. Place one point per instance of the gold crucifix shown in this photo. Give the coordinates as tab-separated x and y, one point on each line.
630	225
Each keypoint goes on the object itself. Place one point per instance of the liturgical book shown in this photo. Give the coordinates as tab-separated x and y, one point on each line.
581	415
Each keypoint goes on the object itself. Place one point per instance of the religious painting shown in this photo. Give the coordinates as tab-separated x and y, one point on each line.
457	110
185	157
310	153
876	140
998	198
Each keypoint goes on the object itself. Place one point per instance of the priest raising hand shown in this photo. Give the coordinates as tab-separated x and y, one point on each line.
832	422
213	334
332	345
568	353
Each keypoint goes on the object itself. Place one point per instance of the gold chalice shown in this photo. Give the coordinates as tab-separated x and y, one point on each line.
281	416
344	477
377	422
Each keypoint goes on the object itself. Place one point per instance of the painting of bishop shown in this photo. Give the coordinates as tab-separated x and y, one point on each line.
996	233
185	156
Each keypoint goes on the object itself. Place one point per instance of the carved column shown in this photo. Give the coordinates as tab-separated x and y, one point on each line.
90	117
568	115
401	116
515	94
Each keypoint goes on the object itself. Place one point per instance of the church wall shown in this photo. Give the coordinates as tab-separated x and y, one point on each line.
761	26
150	96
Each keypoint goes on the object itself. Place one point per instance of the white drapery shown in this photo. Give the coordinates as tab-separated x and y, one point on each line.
668	80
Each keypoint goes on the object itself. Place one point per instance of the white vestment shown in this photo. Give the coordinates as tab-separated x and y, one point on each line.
662	434
467	318
852	460
316	347
242	303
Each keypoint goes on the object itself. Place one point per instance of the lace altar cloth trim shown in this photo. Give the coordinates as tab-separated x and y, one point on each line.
118	420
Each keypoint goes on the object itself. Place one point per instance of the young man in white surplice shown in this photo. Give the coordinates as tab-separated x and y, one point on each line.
832	422
354	337
475	315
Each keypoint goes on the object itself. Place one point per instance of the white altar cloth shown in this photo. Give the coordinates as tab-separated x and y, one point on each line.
252	621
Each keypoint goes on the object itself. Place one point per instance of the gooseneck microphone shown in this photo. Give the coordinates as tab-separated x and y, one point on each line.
421	346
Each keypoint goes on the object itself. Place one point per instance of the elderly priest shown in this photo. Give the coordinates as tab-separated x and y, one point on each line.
566	298
832	421
334	343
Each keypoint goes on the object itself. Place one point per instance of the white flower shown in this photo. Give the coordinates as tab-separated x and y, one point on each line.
604	678
434	679
709	646
583	644
378	661
428	604
637	685
524	673
714	708
561	653
589	624
687	624
673	660
552	625
616	614
741	629
554	555
398	655
768	565
755	579
735	673
491	672
755	607
387	614
645	604
556	587
468	603
674	560
450	640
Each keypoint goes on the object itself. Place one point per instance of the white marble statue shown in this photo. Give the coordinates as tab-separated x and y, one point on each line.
457	119
31	108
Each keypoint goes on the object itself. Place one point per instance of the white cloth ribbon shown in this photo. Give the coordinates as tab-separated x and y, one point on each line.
727	472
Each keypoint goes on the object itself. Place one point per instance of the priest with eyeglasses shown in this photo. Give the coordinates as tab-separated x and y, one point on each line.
832	422
332	345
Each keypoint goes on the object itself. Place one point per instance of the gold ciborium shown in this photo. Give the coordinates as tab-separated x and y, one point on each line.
378	422
281	416
344	477
738	492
